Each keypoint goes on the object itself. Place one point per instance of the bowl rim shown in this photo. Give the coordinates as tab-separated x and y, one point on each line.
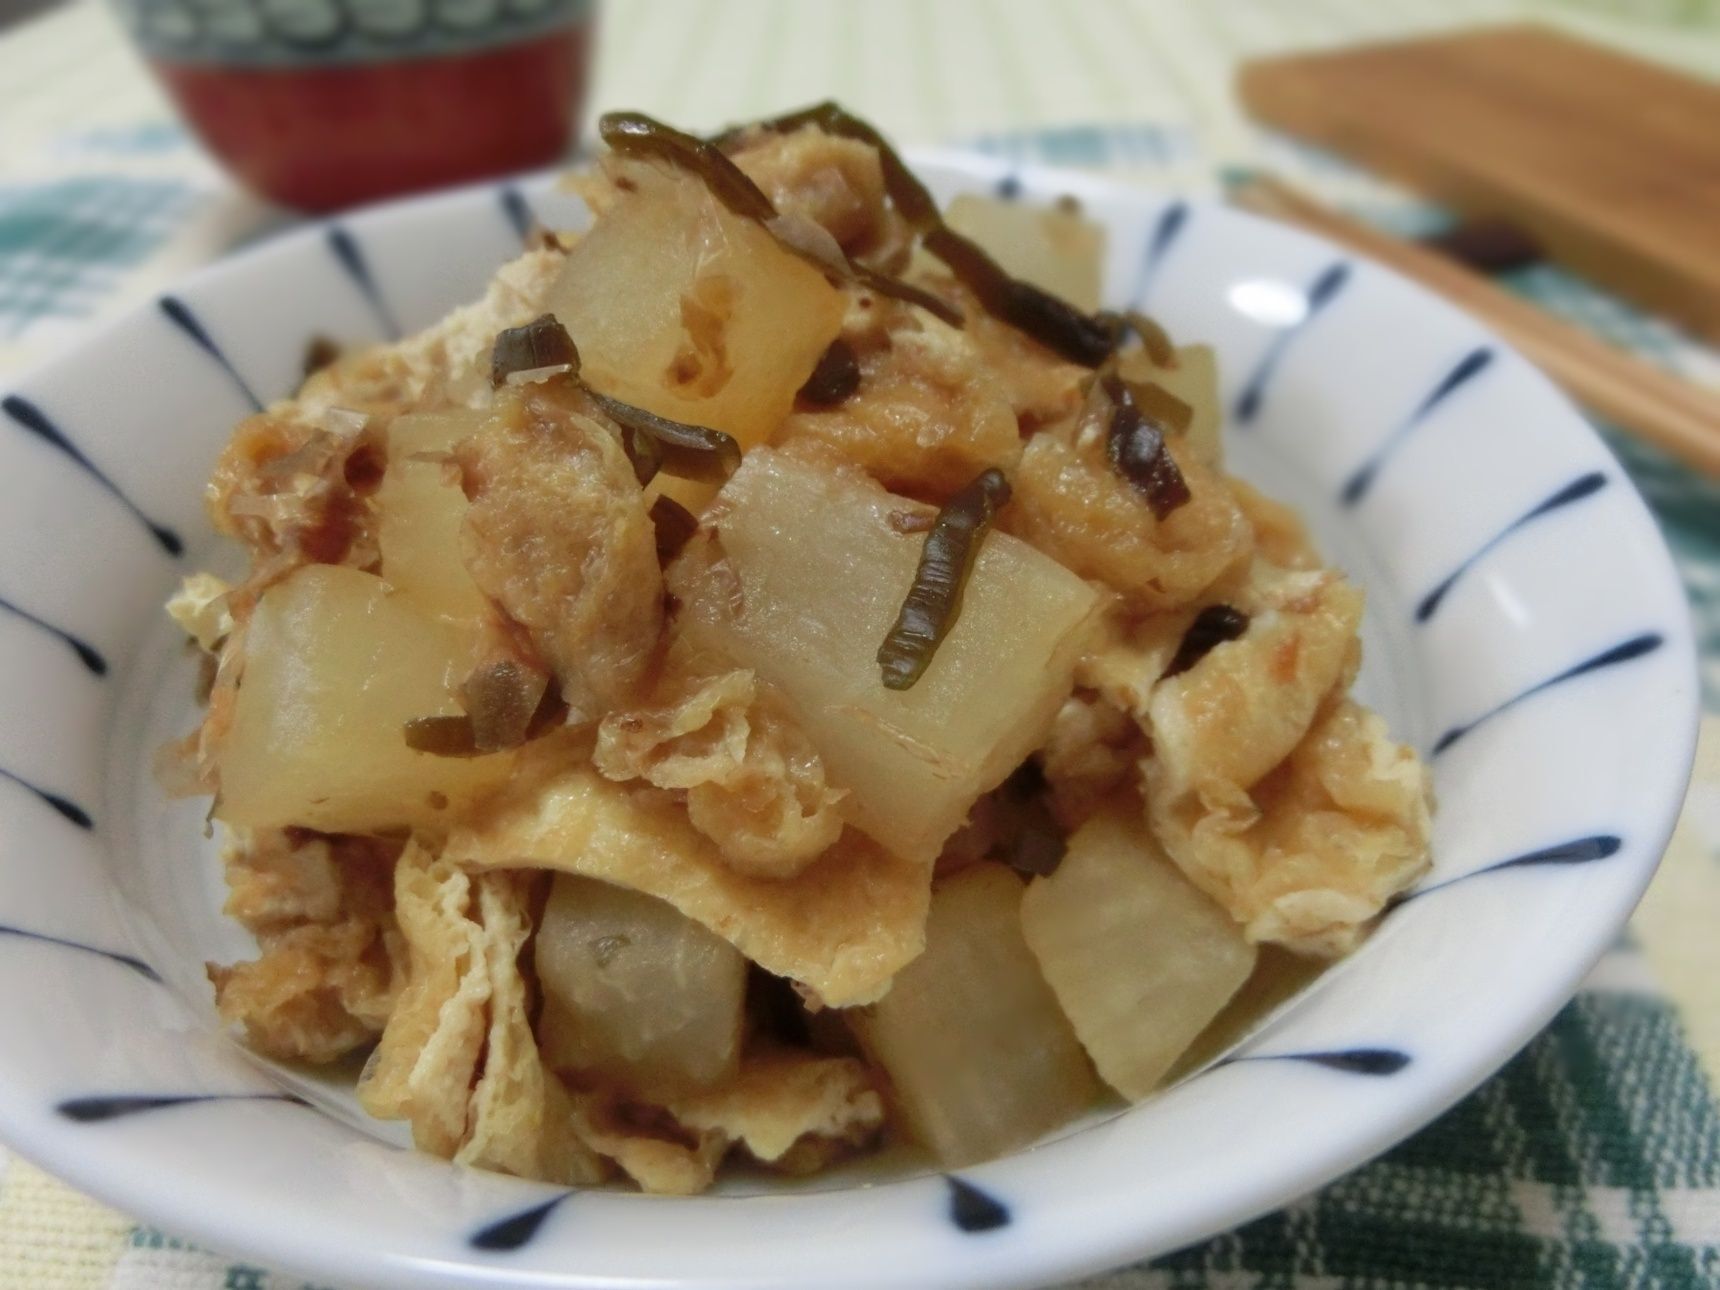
1109	1234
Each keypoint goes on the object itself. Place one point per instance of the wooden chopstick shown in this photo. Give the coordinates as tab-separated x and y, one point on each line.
1674	414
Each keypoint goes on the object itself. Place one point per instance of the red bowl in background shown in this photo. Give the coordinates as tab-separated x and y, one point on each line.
325	104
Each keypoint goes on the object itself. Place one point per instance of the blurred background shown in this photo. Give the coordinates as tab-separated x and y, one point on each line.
105	191
142	138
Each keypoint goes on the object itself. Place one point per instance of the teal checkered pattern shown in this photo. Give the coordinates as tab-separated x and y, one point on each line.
66	245
1576	1166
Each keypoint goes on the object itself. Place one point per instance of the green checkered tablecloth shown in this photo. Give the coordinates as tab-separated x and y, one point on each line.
1593	1159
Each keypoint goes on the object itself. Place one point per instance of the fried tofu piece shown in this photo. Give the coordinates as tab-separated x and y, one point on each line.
650	1147
458	1060
446	364
842	927
1042	388
1239	711
423	1069
557	534
929	414
1280	536
315	994
284	486
1275	795
835	182
331	959
791	1110
755	785
1310	854
1073	506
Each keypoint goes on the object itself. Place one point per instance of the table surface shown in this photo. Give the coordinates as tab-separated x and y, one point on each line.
1594	1158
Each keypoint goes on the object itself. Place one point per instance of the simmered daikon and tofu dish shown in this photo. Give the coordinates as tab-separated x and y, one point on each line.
783	673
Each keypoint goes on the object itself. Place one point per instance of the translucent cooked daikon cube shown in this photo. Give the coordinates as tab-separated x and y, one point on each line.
1193	378
1140	960
980	1057
1053	247
635	990
1278	977
420	507
336	664
682	307
800	575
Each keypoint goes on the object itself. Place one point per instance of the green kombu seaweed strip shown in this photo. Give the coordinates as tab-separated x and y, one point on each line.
685	451
450	736
1034	842
934	600
633	134
543	342
1211	626
833	380
1135	444
1052	321
674	524
652	442
1048	319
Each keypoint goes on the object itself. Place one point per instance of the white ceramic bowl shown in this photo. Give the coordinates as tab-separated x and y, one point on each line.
1525	629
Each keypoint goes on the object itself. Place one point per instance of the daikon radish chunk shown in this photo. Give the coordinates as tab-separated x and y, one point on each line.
682	307
635	990
1053	247
1278	977
336	664
1139	959
800	577
420	507
1194	380
980	1057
